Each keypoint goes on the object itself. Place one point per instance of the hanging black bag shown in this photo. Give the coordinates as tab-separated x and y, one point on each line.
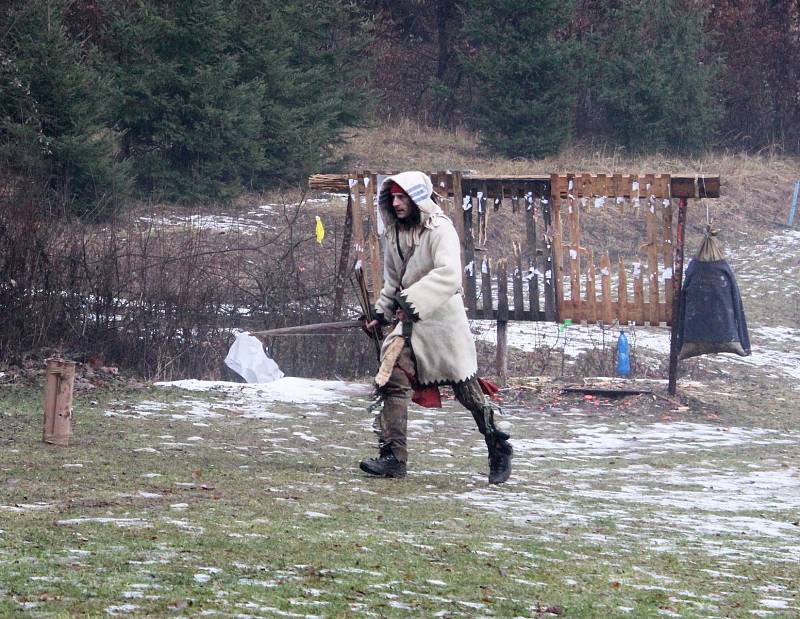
712	316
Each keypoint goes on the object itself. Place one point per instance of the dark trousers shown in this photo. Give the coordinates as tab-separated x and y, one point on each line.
391	425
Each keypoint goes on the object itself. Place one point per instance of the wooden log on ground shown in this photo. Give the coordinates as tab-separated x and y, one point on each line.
59	381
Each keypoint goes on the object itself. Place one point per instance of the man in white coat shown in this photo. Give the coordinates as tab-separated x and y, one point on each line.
421	295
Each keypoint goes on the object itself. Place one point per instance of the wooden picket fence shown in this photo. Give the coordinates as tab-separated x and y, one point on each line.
548	273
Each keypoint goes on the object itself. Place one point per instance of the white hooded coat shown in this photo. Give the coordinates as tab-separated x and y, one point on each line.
431	285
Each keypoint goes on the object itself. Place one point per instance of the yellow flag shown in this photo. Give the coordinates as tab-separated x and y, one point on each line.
320	230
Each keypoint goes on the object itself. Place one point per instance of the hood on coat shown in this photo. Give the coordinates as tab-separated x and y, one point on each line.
419	188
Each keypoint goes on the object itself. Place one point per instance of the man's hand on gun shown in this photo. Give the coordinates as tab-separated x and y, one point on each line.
370	328
373	327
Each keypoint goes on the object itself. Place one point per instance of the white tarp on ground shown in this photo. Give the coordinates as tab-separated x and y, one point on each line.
248	359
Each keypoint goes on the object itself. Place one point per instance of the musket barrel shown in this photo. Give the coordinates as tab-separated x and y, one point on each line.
320	328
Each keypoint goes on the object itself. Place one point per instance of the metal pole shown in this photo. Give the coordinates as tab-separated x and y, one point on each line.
794	203
677	302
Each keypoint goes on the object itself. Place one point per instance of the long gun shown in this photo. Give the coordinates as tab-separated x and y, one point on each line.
319	328
362	292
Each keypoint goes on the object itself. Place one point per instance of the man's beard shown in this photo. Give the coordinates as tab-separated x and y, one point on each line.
413	219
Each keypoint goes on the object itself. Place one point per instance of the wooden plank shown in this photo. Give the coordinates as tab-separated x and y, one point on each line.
649	186
358	216
501	359
502	291
698	186
470	267
681	185
637	191
533	298
574	275
591	288
486	286
329	182
486	209
458	223
615	188
667	258
586	186
550	302
584	315
519	302
558	186
575	271
606	392
557	272
439	188
661	186
622	294
373	243
605	285
479	216
601	185
638	310
530	230
458	219
652	250
532	252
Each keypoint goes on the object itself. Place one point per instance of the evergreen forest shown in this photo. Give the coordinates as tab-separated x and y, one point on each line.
107	101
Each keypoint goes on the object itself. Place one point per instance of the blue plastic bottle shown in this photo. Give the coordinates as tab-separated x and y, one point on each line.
623	355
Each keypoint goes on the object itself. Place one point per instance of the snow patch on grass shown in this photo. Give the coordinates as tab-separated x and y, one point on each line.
287	389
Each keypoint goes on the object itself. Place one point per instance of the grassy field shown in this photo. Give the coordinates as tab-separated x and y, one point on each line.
237	501
229	503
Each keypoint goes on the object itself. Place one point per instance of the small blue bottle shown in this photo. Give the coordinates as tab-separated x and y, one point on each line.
623	355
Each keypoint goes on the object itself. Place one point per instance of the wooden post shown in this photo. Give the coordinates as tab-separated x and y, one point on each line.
533	262
605	286
557	268
668	255
591	289
486	287
501	362
469	256
371	237
622	295
457	217
358	216
677	302
502	353
60	376
652	252
342	273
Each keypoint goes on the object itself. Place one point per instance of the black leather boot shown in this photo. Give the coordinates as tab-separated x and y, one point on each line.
385	465
500	452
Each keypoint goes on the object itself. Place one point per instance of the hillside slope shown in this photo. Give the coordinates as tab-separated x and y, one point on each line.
756	189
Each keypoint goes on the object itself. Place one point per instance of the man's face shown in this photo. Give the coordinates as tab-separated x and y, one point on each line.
402	205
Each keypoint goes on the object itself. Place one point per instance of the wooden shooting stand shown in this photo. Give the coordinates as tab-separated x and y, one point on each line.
550	270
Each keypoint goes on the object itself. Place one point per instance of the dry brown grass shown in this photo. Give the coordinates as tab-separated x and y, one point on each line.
756	188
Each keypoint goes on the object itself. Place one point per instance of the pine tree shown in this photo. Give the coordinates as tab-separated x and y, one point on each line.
191	128
306	55
655	76
518	74
54	128
219	96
